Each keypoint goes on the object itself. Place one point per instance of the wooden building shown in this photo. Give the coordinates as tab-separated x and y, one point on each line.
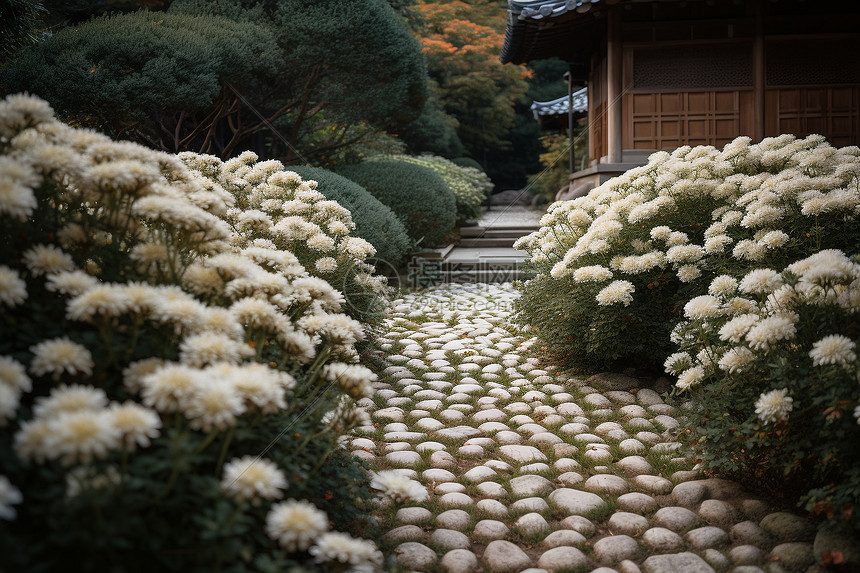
666	73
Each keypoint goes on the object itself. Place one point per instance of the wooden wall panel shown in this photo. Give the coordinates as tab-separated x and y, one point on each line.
667	120
832	111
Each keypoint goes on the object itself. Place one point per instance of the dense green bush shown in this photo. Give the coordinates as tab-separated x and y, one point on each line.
747	259
418	196
174	381
768	360
616	267
470	186
374	222
467	162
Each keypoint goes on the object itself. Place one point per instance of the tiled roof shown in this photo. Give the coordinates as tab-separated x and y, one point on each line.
537	28
561	106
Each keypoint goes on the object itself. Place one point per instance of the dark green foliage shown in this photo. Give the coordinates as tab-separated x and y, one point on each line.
418	196
18	21
131	72
217	77
433	132
616	337
374	222
467	162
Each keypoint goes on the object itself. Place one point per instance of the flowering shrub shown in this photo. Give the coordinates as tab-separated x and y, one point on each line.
416	194
175	369
374	222
274	208
770	364
470	186
616	267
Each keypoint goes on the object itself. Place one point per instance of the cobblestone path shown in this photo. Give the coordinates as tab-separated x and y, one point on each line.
528	469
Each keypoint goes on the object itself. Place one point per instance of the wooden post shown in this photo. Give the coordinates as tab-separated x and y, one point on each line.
758	72
570	123
613	91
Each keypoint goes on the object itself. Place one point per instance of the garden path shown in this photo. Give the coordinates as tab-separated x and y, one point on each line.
528	468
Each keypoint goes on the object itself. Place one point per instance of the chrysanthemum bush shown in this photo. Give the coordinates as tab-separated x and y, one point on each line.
746	258
616	267
769	361
176	368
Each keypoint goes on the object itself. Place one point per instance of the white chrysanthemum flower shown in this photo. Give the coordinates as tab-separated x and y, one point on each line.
214	404
321	242
80	436
17	180
398	487
736	328
616	292
20	111
684	254
253	479
338	328
338	547
358	248
10	399
736	359
717	244
9	496
677	239
773	407
14	375
690	377
43	259
13	289
772	329
74	398
203	280
60	355
169	386
326	265
254	312
259	386
688	273
774	239
295	525
723	285
109	300
702	307
746	249
760	281
71	283
857	413
138	425
740	305
355	380
210	347
677	363
833	349
591	273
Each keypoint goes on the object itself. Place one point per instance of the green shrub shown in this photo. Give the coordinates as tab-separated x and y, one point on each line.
768	360
467	162
416	194
616	267
746	259
470	186
169	372
374	222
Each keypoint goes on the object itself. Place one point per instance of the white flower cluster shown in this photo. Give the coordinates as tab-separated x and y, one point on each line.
276	209
398	487
300	526
223	261
746	199
729	333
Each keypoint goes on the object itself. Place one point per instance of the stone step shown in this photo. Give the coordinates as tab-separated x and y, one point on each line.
496	232
481	242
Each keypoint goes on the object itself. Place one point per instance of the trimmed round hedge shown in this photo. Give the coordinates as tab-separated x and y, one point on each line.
419	197
374	221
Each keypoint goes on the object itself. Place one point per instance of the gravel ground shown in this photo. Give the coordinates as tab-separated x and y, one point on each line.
528	469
